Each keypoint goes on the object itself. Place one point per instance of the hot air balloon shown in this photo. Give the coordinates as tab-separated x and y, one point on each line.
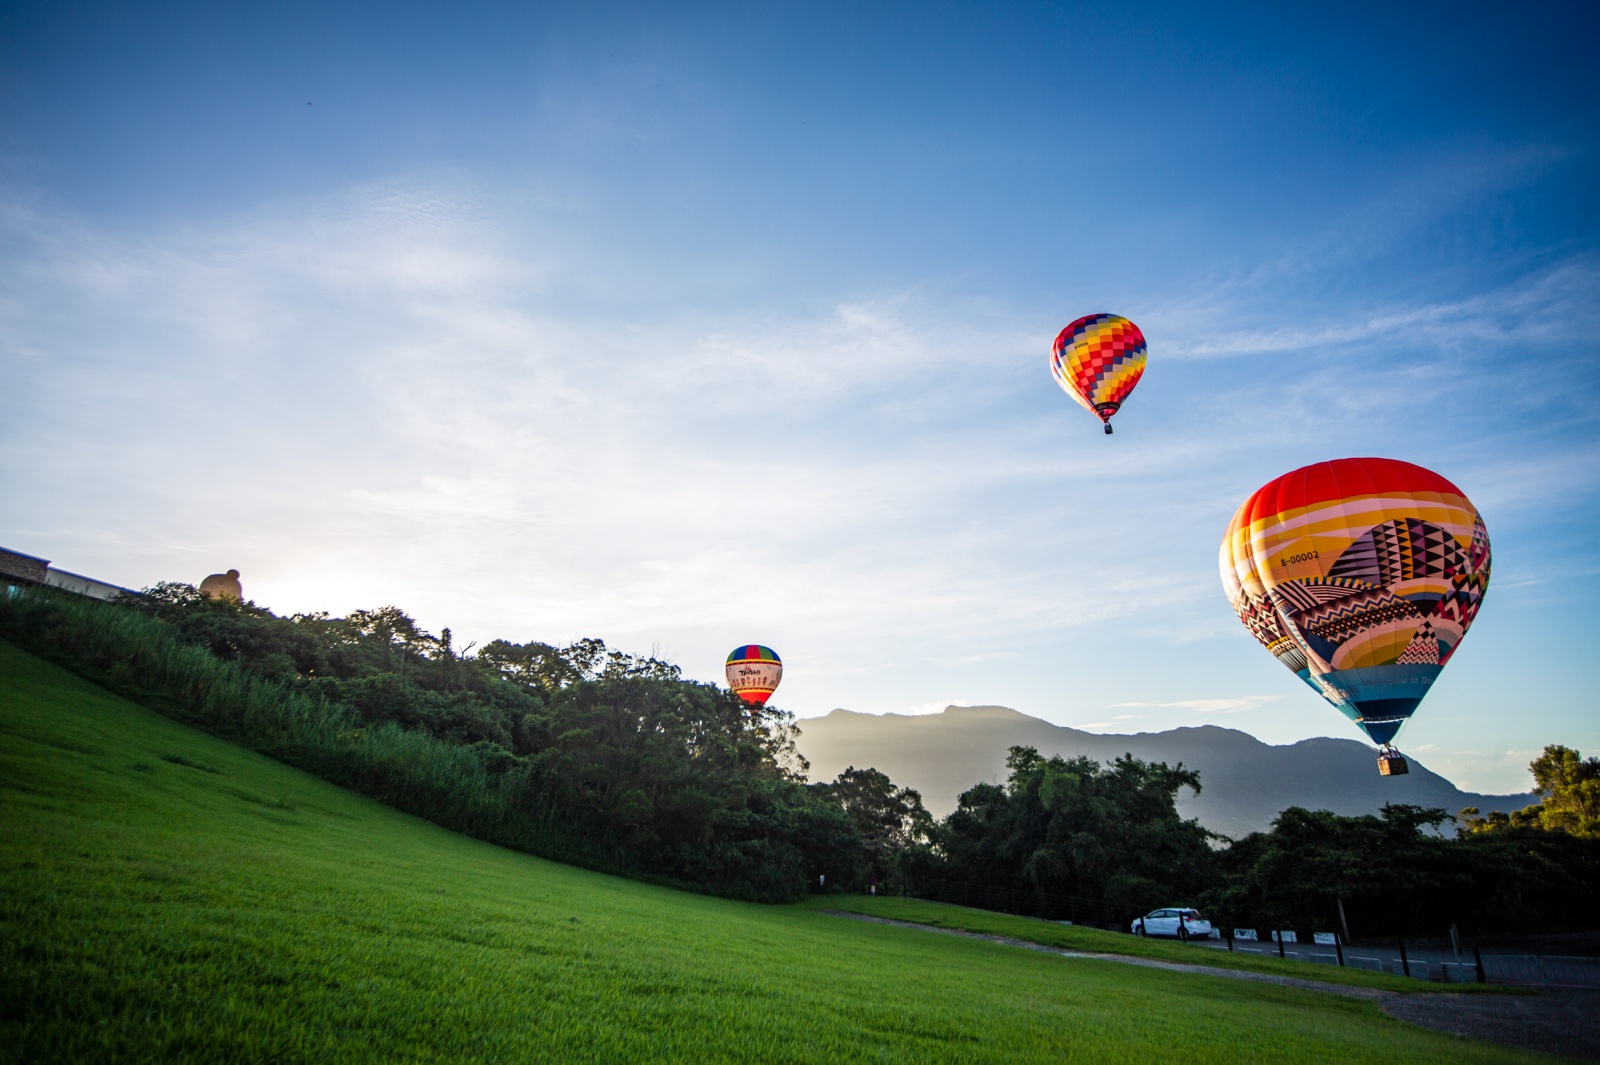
1361	576
1097	360
753	672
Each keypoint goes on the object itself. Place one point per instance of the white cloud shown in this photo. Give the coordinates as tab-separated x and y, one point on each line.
419	396
1115	721
1211	706
370	393
1547	306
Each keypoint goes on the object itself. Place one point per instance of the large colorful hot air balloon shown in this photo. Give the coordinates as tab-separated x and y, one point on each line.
1362	576
753	672
1097	360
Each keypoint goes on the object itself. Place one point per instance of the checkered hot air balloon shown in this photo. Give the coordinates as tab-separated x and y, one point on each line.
1361	576
1097	360
753	672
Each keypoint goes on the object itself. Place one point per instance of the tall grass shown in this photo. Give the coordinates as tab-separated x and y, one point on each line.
140	658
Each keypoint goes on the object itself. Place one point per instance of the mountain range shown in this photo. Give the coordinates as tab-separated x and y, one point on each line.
1244	782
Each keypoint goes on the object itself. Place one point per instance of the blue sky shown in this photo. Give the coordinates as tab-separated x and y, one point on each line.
693	326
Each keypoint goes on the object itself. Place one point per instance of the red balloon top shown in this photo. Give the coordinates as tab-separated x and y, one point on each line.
1343	479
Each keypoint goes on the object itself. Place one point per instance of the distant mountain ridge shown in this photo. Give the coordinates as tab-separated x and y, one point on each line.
1244	782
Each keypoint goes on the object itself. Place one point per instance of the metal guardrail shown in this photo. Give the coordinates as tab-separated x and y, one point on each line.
1428	963
1542	969
1526	969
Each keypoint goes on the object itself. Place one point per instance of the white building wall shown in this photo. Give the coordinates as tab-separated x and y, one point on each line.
76	582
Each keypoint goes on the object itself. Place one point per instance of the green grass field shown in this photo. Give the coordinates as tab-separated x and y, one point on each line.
167	896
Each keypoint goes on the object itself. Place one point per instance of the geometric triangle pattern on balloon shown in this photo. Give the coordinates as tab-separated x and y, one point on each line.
1339	620
1401	550
1375	569
1312	592
1423	648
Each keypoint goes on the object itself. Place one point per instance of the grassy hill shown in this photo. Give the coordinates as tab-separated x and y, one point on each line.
167	896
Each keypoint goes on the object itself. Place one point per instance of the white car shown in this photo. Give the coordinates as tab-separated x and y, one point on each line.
1179	921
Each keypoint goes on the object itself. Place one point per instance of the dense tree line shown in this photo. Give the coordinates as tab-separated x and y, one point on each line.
579	753
1394	875
1073	838
590	755
648	771
1069	837
1535	869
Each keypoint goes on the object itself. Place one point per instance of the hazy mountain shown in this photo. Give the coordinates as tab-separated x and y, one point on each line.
1245	782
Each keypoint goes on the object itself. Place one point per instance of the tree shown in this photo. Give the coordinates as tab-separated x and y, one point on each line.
1109	836
619	760
1393	872
889	819
1569	788
1396	874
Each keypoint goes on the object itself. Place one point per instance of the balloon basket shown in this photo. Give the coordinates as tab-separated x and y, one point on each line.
1108	428
1392	764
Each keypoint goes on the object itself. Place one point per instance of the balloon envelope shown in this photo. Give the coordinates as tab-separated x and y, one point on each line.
1097	360
1361	576
753	672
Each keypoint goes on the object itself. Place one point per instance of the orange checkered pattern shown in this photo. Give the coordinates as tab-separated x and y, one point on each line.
1098	360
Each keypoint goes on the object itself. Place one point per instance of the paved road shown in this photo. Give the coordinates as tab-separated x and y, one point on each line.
1439	963
1425	962
1565	1021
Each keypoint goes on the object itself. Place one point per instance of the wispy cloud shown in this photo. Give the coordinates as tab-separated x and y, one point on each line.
413	394
1115	721
373	386
1547	306
1211	706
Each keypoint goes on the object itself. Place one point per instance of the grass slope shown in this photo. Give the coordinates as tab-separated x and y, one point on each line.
167	896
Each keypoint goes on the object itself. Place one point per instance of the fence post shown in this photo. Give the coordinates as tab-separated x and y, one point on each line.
1477	956
1338	946
1279	936
1230	940
1405	963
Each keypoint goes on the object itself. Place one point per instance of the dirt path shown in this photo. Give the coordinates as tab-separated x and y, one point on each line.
1556	1021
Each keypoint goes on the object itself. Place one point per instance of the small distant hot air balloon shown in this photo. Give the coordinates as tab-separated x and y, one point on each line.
1097	360
1361	576
753	672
